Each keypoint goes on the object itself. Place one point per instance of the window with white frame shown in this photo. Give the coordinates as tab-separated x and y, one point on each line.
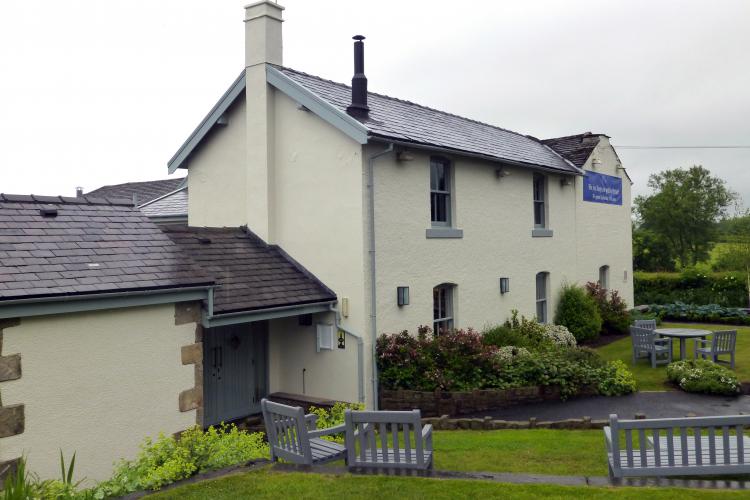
440	191
442	308
604	277
542	280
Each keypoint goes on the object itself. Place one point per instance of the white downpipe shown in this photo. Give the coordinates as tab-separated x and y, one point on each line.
373	284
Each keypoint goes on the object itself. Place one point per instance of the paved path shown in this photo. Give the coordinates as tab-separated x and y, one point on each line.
652	404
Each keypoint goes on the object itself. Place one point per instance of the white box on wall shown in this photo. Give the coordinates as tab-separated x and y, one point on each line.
324	337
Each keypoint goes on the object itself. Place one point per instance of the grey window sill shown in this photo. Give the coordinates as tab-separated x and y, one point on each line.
541	232
444	232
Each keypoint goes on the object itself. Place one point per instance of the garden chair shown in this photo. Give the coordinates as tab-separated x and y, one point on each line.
401	441
721	342
646	344
292	435
648	324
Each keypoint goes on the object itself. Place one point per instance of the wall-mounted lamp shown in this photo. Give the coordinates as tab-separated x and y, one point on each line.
566	181
596	163
402	295
501	172
504	285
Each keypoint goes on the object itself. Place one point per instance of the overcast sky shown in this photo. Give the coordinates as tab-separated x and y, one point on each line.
96	92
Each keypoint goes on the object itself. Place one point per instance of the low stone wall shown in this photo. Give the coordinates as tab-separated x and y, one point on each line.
445	423
438	403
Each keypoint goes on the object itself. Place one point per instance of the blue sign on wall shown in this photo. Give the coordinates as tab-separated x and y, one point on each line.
600	188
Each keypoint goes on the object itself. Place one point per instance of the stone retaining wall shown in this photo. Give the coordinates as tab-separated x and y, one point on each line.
437	403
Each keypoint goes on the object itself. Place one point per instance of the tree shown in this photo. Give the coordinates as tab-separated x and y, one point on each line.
685	209
651	251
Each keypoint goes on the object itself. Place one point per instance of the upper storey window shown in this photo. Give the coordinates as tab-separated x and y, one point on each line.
440	192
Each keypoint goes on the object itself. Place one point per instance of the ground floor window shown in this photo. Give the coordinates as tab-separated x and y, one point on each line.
442	308
541	296
604	277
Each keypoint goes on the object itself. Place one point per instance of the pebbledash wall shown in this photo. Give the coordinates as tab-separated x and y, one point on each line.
496	216
97	383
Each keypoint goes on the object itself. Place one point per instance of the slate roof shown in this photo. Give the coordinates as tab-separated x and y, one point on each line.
250	273
91	246
396	119
144	191
576	148
174	204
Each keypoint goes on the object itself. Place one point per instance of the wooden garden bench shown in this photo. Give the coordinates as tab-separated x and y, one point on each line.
388	439
292	435
678	446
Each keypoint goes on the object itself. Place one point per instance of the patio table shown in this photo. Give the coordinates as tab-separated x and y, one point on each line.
683	334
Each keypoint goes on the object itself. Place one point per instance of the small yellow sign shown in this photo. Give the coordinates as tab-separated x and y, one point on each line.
342	339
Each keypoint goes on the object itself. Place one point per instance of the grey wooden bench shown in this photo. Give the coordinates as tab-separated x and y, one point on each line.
678	446
388	439
292	435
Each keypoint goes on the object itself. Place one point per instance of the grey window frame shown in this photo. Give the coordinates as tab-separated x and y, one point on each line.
446	194
542	299
539	184
604	277
442	314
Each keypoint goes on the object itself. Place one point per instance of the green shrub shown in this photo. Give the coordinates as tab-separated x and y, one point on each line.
502	335
616	379
700	375
727	289
334	417
613	310
711	313
167	459
578	312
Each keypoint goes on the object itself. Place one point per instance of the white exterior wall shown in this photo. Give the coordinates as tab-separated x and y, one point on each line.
217	178
496	216
327	374
96	384
318	220
604	232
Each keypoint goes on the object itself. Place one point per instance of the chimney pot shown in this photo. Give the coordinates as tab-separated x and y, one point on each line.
358	108
79	192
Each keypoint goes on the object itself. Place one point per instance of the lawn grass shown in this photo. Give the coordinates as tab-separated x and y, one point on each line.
268	484
535	451
655	379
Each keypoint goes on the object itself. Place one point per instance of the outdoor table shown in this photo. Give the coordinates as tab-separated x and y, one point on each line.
683	334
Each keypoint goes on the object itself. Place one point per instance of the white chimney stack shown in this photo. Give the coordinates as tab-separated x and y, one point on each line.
262	47
263	33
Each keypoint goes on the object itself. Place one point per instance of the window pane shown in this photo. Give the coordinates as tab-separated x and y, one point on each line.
541	311
539	214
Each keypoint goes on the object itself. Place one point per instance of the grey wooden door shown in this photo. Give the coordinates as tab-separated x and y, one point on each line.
234	371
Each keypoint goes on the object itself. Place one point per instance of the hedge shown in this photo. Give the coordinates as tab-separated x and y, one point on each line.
727	289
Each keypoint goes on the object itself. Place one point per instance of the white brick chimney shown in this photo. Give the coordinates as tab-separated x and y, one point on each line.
263	45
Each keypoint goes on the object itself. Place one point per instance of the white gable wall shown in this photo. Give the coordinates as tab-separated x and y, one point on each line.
218	176
604	232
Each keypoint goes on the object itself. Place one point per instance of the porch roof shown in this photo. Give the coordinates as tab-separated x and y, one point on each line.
250	274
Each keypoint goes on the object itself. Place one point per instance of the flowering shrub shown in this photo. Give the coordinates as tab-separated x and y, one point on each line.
508	353
460	361
559	335
700	375
612	309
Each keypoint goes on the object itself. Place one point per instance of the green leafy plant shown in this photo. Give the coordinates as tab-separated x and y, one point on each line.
578	311
169	459
703	376
20	485
616	380
613	310
691	286
334	417
711	313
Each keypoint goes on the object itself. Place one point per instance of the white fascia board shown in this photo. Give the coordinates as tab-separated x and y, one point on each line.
234	91
317	105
